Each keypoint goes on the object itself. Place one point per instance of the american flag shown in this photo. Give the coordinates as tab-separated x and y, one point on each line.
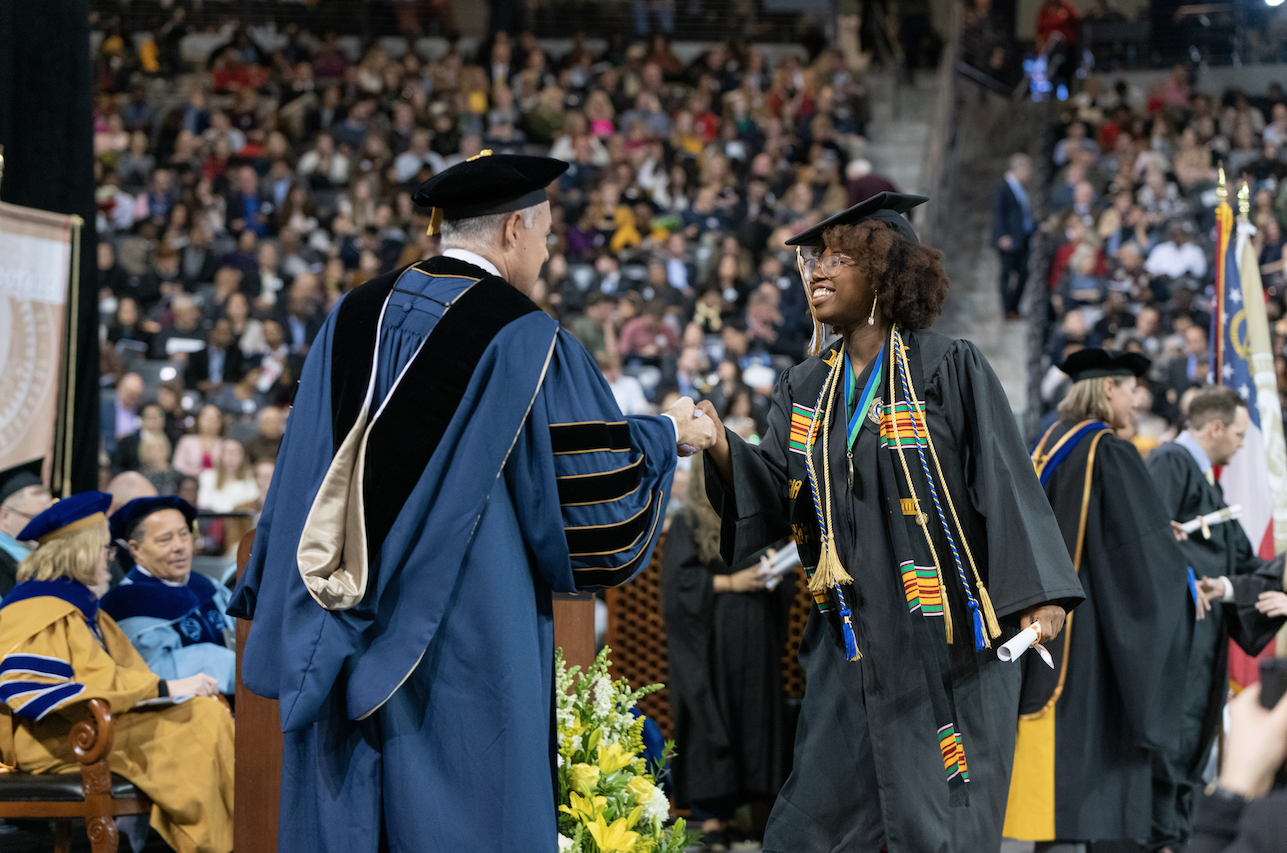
1241	358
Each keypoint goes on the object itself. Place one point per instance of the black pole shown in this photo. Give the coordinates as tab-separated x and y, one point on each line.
47	130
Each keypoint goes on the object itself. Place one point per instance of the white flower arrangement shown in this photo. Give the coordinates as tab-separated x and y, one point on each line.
609	798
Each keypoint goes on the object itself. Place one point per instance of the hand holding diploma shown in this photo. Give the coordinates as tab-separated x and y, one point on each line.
1028	638
1045	621
1206	522
778	564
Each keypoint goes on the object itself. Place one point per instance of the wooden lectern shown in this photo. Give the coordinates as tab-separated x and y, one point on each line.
259	738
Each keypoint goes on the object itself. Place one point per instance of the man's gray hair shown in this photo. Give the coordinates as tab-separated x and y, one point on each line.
480	231
1019	161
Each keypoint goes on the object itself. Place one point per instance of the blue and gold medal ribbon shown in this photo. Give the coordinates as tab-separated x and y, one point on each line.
868	394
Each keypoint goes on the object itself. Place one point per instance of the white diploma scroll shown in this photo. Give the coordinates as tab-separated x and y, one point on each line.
779	565
1020	643
1211	519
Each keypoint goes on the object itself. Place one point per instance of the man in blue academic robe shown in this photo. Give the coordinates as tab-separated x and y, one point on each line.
175	617
453	459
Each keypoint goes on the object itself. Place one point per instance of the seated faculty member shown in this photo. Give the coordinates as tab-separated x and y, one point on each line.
453	458
173	615
60	649
23	496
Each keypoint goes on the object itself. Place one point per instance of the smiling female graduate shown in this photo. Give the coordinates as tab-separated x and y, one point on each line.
893	457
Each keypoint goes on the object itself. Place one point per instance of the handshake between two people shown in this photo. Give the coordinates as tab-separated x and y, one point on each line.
697	426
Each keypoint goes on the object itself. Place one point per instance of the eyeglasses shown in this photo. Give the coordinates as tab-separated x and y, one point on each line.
830	265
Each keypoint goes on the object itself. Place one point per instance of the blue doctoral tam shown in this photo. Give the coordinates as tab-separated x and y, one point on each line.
66	515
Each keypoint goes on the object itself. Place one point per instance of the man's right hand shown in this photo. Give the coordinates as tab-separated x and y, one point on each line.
194	685
1006	243
695	430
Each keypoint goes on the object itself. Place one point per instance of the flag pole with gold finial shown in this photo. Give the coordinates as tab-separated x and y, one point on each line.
1224	230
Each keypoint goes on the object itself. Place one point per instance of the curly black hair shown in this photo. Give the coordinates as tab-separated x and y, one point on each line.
909	279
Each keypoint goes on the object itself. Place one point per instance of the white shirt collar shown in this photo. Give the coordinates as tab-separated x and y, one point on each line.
472	258
162	580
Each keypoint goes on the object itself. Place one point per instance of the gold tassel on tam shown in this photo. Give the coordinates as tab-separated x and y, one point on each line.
435	222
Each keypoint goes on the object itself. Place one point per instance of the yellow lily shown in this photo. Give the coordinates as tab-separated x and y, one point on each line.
585	809
613	758
612	839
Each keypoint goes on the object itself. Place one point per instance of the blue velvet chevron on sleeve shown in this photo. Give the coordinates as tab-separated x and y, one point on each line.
611	475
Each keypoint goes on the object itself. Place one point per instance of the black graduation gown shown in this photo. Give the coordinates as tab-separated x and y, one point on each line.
1186	494
1120	661
731	729
867	768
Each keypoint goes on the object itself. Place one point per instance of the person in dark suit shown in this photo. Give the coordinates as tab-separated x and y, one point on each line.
217	364
23	495
198	262
299	314
247	209
1012	226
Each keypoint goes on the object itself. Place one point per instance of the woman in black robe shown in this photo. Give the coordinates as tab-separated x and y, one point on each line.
1091	727
907	514
725	634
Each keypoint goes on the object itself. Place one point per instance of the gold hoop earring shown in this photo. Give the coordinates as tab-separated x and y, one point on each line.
871	320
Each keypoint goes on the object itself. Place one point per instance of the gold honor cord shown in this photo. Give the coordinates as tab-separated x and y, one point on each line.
830	572
985	601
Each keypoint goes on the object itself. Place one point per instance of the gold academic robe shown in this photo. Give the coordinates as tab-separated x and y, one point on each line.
181	755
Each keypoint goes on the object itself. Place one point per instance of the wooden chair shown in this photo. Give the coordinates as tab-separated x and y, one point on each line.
97	795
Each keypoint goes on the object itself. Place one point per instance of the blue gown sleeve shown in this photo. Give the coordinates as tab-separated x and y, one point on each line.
611	475
160	646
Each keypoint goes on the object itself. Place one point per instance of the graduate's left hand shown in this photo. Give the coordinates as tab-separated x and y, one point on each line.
1049	616
1272	603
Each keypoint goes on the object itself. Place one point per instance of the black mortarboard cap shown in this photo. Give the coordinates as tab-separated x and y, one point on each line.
887	207
1097	363
488	184
128	517
20	477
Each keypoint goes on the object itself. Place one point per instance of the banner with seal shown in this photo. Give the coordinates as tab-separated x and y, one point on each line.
36	267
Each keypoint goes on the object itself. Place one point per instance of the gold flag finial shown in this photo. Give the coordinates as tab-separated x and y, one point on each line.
1244	203
1	164
1222	191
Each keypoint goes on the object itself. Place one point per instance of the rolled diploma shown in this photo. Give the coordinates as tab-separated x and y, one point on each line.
784	560
1220	516
780	564
1020	643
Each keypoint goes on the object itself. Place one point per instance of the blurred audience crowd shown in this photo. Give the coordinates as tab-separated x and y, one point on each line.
240	198
1133	229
